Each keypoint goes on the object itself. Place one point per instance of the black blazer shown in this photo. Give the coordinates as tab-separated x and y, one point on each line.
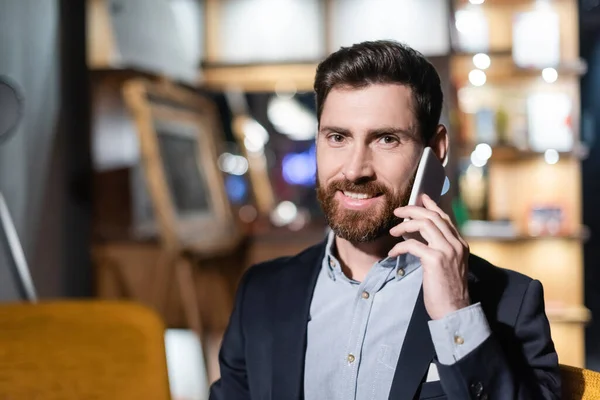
262	355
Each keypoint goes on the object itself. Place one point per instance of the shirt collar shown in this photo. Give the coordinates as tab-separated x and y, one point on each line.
330	262
402	265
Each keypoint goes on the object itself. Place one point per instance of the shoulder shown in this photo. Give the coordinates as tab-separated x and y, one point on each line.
487	273
270	271
501	291
264	285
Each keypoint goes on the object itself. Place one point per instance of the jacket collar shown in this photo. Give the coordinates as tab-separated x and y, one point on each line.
416	354
293	296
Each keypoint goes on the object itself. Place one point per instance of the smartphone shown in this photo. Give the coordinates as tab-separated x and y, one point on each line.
429	180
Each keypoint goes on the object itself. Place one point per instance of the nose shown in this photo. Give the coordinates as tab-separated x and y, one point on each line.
358	166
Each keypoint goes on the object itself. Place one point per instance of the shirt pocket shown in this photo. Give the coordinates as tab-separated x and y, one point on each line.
383	372
388	356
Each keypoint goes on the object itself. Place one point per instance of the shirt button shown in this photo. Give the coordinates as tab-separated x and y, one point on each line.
459	340
331	262
477	390
365	295
400	272
350	358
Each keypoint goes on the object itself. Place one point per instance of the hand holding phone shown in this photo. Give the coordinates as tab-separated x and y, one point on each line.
429	180
444	255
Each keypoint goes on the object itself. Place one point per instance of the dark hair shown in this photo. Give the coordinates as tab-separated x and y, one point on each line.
384	61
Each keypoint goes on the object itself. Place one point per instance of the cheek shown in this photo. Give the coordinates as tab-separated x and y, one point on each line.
398	174
327	165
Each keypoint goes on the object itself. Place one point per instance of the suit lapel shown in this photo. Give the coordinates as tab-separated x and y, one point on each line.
416	355
417	350
291	313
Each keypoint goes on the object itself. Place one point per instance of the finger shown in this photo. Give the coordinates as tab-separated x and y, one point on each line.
414	212
432	205
426	254
427	228
421	213
411	246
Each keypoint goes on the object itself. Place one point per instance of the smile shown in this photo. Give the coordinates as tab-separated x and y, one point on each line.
358	196
357	201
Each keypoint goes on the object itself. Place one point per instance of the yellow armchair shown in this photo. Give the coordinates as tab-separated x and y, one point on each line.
82	350
579	383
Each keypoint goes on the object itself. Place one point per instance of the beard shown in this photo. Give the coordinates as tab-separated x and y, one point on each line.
366	225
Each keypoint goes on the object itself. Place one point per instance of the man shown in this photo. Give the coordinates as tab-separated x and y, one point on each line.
366	314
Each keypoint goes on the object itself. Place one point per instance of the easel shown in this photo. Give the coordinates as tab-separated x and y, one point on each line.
182	266
183	242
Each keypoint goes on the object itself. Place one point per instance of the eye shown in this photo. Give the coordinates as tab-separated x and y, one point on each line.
336	138
388	139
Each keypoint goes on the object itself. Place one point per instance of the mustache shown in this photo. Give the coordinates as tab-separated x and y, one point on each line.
370	188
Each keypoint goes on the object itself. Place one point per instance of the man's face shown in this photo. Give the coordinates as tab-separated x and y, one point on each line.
368	149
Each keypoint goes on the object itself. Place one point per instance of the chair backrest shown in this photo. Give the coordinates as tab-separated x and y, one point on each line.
82	350
579	383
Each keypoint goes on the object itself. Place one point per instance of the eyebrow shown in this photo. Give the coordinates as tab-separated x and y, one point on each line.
386	130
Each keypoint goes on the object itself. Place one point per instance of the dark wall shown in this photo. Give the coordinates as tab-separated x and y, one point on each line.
75	126
43	165
590	103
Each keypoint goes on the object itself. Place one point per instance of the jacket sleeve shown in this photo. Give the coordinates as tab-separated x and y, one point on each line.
233	383
488	372
468	324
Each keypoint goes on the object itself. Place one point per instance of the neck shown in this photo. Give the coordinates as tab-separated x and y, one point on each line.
358	258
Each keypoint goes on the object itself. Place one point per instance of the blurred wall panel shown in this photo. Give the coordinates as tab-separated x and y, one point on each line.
422	24
30	162
252	31
45	166
189	19
164	37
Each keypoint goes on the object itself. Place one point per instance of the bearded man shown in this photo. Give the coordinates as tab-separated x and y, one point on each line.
366	314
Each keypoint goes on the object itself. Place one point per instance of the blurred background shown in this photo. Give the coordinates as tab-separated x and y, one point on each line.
167	145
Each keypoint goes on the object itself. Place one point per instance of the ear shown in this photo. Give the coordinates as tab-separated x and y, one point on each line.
439	143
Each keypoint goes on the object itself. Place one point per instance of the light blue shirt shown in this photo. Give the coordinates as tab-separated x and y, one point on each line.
356	329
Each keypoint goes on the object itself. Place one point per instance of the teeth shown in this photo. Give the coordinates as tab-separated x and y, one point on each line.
358	196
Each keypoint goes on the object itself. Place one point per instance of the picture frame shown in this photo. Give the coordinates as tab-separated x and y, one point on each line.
178	132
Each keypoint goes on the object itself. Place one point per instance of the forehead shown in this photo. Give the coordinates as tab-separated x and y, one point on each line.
386	104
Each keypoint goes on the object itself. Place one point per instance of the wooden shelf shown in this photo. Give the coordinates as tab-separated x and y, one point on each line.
502	67
582	236
572	314
497	53
507	3
259	77
492	231
125	73
122	70
505	59
507	153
